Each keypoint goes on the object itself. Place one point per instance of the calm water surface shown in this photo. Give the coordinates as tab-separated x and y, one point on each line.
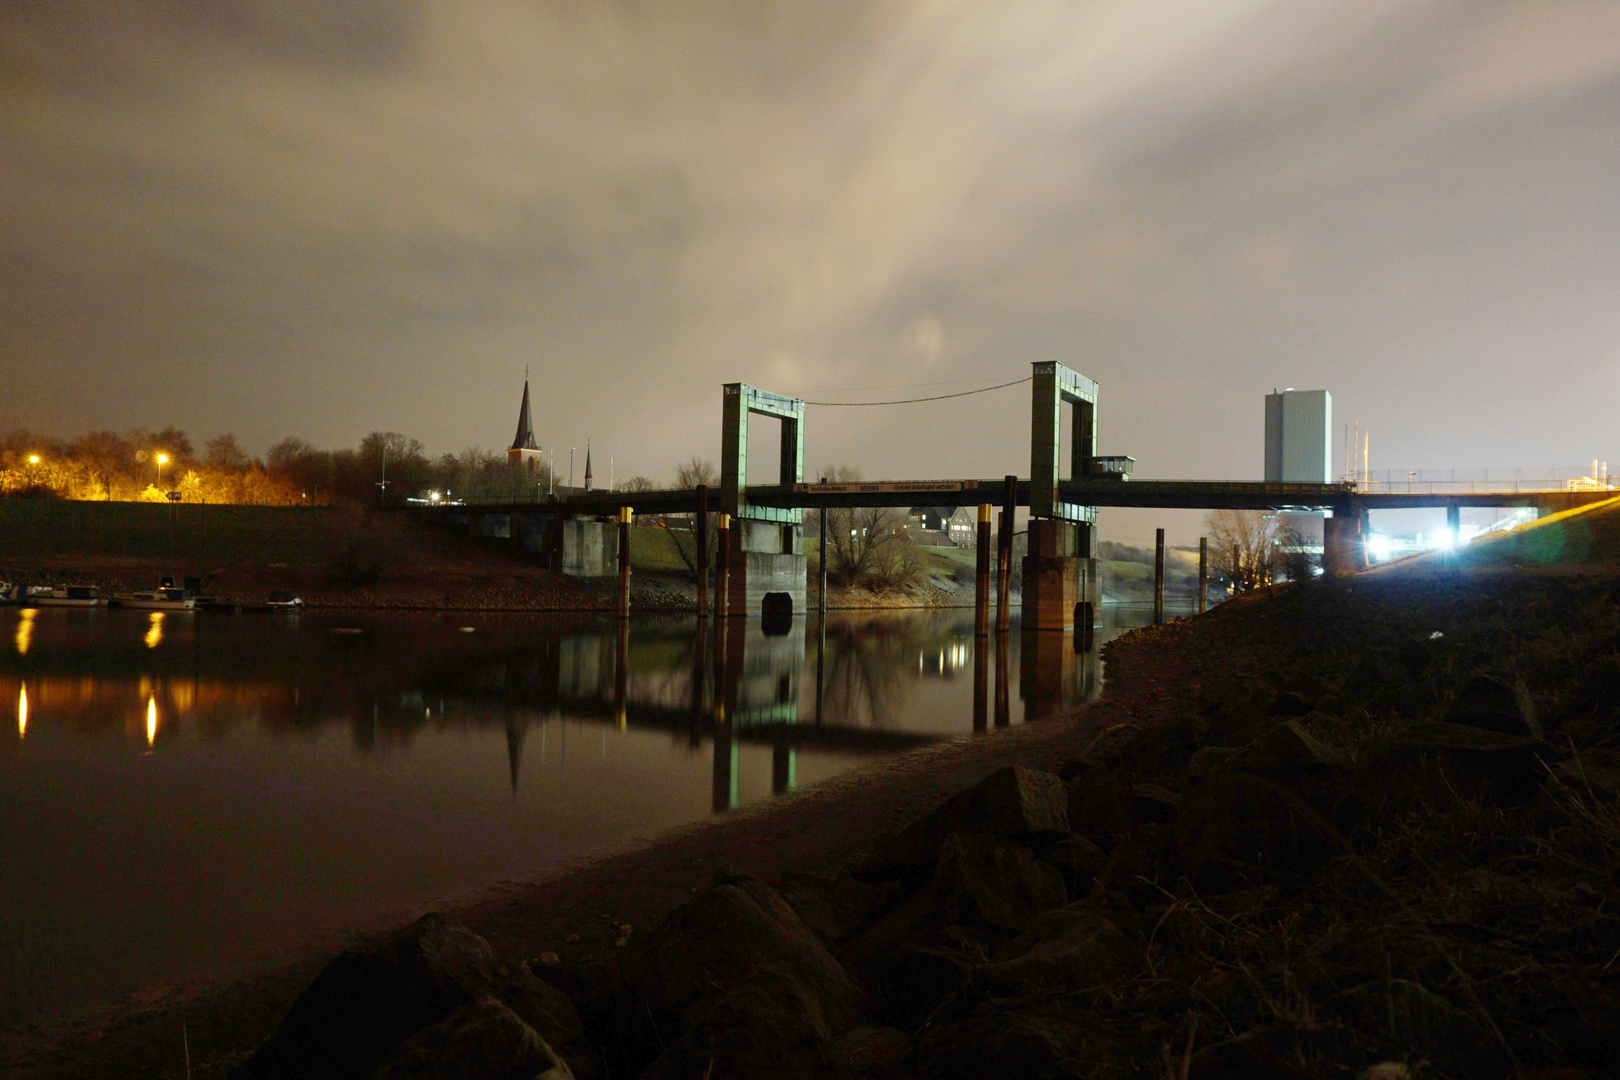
183	796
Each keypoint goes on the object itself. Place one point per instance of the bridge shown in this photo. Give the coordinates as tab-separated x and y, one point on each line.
760	565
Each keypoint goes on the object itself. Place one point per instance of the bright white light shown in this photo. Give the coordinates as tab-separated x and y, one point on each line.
1380	546
1444	540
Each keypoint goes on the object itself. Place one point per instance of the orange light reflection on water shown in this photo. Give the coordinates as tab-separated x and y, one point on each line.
154	633
151	720
25	631
22	711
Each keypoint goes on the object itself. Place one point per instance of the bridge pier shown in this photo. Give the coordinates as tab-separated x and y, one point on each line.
1060	574
765	557
1344	541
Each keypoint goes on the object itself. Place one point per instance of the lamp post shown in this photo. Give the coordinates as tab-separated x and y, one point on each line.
162	459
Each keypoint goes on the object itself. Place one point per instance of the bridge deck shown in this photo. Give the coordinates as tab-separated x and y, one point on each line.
1169	494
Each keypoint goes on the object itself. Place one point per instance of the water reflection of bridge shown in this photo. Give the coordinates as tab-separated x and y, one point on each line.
734	683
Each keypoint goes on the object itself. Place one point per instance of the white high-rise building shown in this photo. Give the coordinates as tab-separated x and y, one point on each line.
1298	449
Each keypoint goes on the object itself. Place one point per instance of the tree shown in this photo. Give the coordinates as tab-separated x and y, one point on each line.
865	545
1245	548
637	483
224	452
697	472
284	456
106	459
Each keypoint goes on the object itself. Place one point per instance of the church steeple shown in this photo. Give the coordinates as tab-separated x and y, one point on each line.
523	446
587	465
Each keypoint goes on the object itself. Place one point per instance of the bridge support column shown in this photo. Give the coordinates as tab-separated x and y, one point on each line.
1158	578
981	576
1060	575
1454	522
1344	547
765	557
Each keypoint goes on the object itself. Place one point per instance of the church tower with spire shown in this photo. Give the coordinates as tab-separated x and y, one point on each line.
523	448
587	465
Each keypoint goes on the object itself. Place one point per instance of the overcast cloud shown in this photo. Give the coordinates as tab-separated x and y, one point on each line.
319	218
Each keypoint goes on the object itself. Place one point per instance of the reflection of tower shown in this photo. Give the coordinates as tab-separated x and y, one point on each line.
514	748
523	448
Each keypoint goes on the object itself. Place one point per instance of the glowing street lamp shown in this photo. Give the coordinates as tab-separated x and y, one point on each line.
162	459
33	459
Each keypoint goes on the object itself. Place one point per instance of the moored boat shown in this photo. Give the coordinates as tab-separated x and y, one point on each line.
65	596
282	600
157	600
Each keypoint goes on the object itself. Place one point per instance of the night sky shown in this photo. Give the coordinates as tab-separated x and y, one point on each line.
280	217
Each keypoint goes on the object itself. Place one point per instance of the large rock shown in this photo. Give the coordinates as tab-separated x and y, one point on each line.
1099	804
1020	1039
867	1053
1507	767
1072	948
369	1000
1011	802
735	951
991	880
1289	748
481	1039
549	1011
1491	704
768	1026
1233	817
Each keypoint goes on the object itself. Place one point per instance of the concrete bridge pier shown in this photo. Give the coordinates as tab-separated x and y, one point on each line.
765	568
1062	586
1344	541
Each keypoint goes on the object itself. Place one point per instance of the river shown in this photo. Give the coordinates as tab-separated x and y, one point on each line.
190	796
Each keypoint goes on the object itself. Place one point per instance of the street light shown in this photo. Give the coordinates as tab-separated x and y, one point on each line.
33	459
162	460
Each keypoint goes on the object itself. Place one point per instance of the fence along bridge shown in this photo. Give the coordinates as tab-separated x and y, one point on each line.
760	564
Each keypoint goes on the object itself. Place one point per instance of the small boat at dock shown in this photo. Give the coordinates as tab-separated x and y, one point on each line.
83	596
157	600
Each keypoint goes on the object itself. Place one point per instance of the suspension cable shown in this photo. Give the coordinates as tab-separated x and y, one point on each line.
913	401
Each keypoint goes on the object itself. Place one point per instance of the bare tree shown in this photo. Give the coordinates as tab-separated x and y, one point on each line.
1245	547
696	472
637	483
866	545
224	452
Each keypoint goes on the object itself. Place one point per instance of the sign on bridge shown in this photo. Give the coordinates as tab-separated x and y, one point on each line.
922	487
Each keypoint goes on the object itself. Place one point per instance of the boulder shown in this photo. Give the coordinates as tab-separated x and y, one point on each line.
1099	804
1509	767
768	1025
1290	703
867	1053
549	1011
918	981
1011	802
371	998
1071	948
715	943
482	1038
1233	817
991	880
1491	704
1031	1038
1289	748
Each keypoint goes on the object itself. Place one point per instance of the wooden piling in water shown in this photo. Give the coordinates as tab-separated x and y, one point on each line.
1004	542
1158	578
821	571
701	532
981	587
722	567
1203	574
626	516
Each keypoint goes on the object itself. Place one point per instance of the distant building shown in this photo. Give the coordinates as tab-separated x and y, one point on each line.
523	448
940	526
1297	446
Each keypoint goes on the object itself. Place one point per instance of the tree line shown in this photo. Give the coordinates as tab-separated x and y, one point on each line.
146	465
